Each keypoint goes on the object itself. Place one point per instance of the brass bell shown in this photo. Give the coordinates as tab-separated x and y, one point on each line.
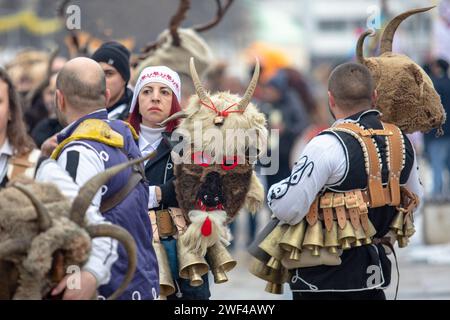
402	241
346	236
331	239
166	285
271	246
292	240
274	288
220	261
360	236
275	278
192	266
295	254
371	232
408	228
314	238
397	223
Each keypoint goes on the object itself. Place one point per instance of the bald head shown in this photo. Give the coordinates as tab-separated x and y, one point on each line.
82	82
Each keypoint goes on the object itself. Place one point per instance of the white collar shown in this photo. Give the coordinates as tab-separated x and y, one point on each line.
347	120
150	137
6	148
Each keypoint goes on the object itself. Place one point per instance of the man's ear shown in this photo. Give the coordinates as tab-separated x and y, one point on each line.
107	96
60	101
374	98
331	100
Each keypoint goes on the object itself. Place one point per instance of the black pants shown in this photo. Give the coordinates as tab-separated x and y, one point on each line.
374	294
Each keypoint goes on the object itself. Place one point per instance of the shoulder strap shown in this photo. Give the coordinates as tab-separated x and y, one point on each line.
18	165
137	175
396	156
371	158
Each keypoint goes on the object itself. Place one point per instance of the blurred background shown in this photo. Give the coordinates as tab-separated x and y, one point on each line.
298	43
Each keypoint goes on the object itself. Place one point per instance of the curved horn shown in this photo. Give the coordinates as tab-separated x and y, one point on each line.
389	31
360	45
251	89
177	115
44	220
122	235
90	188
12	246
201	92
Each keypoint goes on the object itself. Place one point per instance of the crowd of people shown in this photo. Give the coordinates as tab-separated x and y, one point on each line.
83	117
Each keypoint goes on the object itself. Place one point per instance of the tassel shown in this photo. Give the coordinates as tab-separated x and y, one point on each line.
206	227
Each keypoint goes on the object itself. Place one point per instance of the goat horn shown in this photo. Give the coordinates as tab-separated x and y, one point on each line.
360	45
44	220
122	235
201	92
177	115
12	246
251	88
90	188
389	31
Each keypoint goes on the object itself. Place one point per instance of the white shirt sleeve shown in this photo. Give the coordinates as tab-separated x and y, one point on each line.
413	183
104	250
152	199
323	162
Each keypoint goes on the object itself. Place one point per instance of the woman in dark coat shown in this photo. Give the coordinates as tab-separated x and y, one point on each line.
156	98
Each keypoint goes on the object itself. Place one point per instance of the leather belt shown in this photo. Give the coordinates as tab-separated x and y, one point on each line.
366	196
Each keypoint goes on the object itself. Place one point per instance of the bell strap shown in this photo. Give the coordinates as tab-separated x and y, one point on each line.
371	158
313	213
178	219
326	204
396	161
152	216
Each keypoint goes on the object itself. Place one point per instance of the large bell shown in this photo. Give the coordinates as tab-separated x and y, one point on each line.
271	246
331	239
166	285
292	240
274	288
346	236
314	238
371	232
220	262
360	236
402	241
275	278
397	224
192	266
408	227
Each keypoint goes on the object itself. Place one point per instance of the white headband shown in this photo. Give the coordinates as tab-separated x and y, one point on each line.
160	74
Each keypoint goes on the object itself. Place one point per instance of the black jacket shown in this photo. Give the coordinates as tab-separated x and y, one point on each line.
159	172
44	130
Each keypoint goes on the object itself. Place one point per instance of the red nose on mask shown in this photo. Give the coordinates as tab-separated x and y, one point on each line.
206	227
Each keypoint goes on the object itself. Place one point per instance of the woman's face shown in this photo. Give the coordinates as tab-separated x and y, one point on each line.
155	102
4	108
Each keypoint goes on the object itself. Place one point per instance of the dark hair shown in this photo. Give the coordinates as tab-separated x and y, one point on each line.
16	131
80	93
351	84
135	117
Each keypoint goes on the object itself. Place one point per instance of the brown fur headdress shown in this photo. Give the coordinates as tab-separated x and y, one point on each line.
406	95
